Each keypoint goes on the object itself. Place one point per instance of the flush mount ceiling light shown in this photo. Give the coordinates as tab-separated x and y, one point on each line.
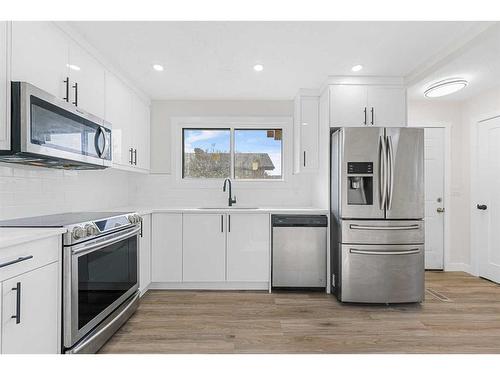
357	68
445	87
258	67
73	67
158	67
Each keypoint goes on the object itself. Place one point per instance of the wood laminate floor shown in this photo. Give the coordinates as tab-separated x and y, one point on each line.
463	317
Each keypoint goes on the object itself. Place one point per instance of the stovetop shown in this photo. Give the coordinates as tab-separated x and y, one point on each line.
59	220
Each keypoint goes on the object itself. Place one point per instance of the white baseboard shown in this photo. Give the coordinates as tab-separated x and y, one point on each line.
222	285
464	267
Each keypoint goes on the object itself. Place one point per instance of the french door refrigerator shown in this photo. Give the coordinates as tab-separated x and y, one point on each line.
377	210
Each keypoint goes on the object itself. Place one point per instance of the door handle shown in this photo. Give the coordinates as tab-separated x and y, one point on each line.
482	207
364	122
376	227
135	156
390	159
440	210
20	259
130	151
66	82
75	86
373	116
229	223
304	158
382	178
17	316
399	252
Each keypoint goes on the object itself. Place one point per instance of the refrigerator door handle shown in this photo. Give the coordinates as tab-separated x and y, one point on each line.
373	227
369	252
390	160
382	176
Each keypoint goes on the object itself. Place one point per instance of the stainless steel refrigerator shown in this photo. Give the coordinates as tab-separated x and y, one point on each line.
377	211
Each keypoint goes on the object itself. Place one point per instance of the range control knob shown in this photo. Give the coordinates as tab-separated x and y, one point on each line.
131	218
78	233
91	230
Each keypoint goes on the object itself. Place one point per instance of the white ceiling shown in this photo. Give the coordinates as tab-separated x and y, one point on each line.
214	60
478	62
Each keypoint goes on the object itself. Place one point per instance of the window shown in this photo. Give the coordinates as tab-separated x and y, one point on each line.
246	154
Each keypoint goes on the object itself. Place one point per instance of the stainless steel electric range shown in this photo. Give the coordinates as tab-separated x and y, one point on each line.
100	273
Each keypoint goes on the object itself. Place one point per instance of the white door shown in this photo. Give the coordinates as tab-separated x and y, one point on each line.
166	257
145	254
488	204
88	74
204	247
248	247
387	106
40	56
434	197
347	105
37	329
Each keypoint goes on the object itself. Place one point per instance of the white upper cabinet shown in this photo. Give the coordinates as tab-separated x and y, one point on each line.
40	56
248	247
140	130
4	87
387	106
367	105
118	112
348	105
86	81
306	133
204	247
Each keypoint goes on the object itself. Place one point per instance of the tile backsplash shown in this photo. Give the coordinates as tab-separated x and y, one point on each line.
30	191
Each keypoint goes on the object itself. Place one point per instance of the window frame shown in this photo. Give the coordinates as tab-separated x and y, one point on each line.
284	123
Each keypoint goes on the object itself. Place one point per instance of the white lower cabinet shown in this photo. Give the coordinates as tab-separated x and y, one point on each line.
204	247
145	254
248	247
166	260
30	323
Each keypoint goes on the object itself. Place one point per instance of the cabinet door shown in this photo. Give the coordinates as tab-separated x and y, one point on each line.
309	109
204	249
145	254
88	74
118	113
4	87
38	311
40	56
347	105
166	265
248	247
389	106
140	126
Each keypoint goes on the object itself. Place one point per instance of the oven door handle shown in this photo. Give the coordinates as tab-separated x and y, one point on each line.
101	244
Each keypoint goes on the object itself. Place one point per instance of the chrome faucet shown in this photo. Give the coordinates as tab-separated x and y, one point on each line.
230	200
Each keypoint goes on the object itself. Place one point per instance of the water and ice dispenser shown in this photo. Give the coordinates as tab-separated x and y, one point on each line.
360	183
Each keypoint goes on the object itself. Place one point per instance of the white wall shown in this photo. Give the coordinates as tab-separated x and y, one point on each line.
162	189
31	191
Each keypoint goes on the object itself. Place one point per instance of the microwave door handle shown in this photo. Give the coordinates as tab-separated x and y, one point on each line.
382	175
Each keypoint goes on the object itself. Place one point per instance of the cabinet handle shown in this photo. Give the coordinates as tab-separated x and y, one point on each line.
304	158
135	156
222	223
75	86
20	259
364	122
130	151
229	223
372	115
141	232
66	81
18	303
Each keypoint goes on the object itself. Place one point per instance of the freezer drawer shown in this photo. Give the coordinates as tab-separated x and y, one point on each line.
382	273
382	231
299	257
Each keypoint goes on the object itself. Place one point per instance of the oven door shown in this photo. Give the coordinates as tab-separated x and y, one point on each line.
99	276
52	127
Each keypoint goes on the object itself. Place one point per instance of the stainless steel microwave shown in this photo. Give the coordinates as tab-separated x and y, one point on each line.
49	132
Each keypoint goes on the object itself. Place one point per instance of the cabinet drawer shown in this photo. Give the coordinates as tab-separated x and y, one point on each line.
383	232
25	257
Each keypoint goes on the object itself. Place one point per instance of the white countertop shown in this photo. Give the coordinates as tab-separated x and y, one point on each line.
16	236
235	209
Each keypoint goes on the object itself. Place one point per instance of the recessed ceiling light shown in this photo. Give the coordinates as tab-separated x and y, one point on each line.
445	87
73	67
357	68
158	67
258	67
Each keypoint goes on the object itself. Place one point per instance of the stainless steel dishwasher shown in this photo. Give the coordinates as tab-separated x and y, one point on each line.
299	251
